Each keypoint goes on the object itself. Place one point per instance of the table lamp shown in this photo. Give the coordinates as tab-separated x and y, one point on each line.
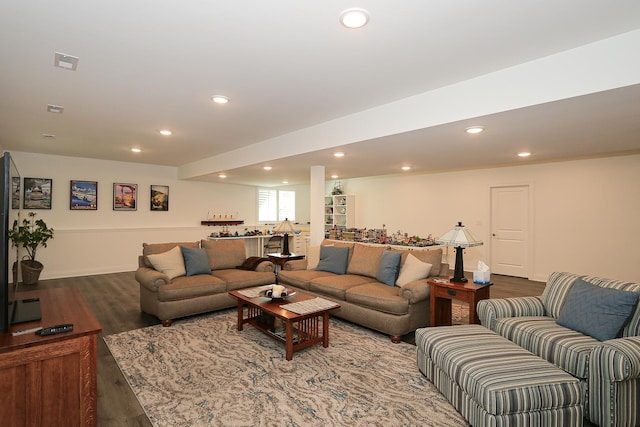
285	227
460	238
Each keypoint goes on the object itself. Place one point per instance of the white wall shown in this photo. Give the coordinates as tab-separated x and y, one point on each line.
104	240
584	213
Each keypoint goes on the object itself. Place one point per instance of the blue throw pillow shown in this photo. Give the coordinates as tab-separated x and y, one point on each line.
596	311
333	259
196	261
389	267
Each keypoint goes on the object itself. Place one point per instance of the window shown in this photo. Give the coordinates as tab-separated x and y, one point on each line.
276	205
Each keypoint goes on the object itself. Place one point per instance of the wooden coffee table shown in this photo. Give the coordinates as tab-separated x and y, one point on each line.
300	330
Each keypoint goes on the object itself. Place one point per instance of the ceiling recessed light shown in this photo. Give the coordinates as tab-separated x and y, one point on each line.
338	154
165	132
57	109
136	150
524	154
285	181
220	99
334	176
354	18
474	129
223	176
267	168
406	168
68	62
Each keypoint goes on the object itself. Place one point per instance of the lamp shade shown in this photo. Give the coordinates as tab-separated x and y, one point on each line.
459	237
284	227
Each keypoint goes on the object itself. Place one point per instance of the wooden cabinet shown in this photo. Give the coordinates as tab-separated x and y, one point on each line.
339	212
51	380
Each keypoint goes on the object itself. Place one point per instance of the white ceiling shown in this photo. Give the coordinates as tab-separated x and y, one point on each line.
558	78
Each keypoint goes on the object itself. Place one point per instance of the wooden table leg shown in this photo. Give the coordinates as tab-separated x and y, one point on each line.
289	340
240	319
325	329
443	312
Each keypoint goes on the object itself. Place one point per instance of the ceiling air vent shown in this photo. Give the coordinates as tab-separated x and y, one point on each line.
68	62
58	109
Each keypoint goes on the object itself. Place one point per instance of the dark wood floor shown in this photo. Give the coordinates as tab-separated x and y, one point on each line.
114	300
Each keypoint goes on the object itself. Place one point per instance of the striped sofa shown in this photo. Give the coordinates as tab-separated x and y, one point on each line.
609	371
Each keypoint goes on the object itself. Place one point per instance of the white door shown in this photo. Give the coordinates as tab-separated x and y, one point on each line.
510	230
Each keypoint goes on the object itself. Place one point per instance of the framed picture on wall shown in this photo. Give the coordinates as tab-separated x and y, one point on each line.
15	192
159	198
83	195
125	197
37	193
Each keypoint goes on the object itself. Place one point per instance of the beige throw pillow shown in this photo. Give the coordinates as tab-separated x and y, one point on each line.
170	263
412	269
313	257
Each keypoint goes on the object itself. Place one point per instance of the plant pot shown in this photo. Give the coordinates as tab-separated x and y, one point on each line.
30	271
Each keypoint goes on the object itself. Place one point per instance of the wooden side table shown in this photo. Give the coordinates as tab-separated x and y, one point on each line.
443	291
280	260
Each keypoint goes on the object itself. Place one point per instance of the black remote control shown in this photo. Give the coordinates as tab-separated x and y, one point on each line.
58	329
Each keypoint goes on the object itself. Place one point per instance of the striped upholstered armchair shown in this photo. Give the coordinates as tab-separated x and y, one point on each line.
567	327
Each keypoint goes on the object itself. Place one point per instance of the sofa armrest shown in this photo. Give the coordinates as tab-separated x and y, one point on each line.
265	266
617	359
418	290
296	264
151	279
614	378
489	310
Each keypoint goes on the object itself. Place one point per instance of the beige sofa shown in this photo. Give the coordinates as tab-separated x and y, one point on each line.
364	300
168	297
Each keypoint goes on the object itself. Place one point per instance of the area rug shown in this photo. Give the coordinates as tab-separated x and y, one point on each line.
204	372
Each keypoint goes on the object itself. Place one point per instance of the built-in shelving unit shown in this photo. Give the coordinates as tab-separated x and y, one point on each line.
339	212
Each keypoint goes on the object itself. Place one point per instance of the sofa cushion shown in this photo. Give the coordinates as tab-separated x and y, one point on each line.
632	329
413	269
596	311
388	268
195	261
170	262
158	248
333	259
337	285
238	279
313	257
300	278
225	253
430	256
365	260
340	244
187	287
541	335
379	297
555	292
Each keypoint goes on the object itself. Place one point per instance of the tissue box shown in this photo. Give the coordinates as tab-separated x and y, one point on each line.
481	276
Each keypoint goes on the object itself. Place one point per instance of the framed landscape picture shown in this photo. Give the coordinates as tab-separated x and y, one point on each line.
159	197
37	193
125	197
83	195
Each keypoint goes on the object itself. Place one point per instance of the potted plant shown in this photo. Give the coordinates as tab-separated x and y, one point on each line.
31	234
